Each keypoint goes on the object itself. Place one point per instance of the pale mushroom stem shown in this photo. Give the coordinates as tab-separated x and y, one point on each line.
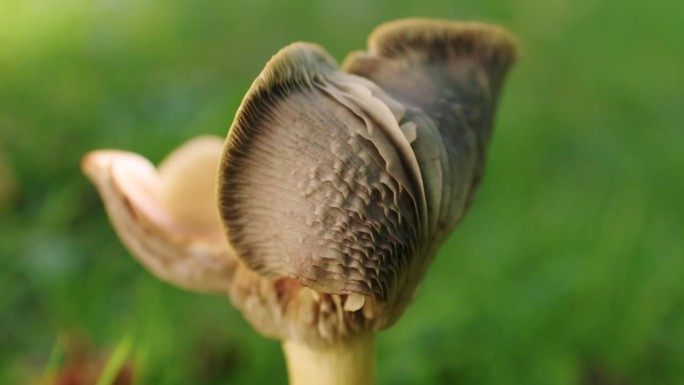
351	362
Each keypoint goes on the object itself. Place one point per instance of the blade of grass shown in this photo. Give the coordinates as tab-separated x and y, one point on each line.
54	360
115	362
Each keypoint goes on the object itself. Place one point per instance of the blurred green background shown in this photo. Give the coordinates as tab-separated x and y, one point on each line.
569	269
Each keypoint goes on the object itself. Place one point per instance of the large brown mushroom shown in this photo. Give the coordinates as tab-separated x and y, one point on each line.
335	189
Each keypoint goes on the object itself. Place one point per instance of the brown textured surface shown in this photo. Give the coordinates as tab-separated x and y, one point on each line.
323	192
348	186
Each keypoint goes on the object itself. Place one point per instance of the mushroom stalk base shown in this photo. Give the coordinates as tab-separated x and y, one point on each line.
350	362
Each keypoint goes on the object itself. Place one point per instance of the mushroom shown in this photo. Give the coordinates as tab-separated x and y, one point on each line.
335	189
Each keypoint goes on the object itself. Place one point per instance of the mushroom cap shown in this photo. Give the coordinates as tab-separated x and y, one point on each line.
167	218
347	181
188	181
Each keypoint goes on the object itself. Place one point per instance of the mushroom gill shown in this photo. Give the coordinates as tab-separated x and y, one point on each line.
347	182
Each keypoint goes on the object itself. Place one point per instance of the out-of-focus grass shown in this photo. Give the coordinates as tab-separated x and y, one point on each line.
116	362
53	363
570	263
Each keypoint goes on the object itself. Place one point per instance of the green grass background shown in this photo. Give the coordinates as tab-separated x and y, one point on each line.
569	268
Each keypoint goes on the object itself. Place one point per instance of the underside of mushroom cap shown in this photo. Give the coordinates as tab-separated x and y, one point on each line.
318	182
346	185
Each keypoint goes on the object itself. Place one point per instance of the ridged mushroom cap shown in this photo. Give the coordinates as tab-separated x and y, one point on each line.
346	181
